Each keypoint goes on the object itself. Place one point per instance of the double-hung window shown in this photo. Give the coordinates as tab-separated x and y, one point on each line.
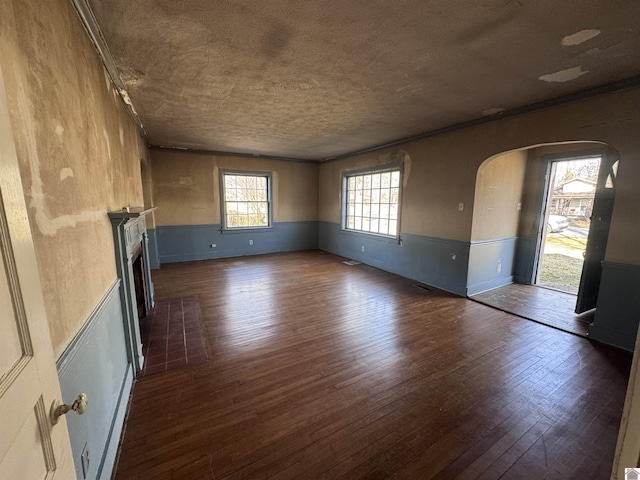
246	199
372	201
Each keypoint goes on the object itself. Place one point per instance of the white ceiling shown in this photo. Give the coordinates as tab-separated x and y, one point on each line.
314	80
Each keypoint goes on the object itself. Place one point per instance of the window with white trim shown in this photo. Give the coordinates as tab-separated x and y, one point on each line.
246	199
372	201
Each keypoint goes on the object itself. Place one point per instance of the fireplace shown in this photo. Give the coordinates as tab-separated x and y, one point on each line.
134	271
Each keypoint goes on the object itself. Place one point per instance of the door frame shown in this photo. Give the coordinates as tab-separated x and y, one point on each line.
539	224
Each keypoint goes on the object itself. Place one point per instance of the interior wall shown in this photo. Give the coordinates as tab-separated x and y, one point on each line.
79	154
496	215
443	174
188	220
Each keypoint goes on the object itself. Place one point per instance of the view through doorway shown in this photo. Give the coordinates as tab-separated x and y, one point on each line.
572	185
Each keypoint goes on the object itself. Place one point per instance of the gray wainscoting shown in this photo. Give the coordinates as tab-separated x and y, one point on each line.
96	363
183	243
618	312
439	262
491	264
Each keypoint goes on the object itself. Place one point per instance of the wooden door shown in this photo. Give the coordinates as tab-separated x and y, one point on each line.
598	233
30	446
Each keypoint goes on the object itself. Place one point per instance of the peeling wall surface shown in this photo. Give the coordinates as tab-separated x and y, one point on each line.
79	154
325	78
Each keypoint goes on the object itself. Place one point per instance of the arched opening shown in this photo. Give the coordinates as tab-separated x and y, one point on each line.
540	227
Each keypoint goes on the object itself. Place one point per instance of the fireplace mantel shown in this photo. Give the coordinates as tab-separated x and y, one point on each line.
129	232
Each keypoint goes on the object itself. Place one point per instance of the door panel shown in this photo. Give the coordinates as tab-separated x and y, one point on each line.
598	233
30	446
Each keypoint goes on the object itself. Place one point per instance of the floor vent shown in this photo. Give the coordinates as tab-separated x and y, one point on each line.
422	287
351	262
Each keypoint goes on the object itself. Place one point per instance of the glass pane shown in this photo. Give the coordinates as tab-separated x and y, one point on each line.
232	220
395	179
243	208
366	180
393	212
385	196
375	196
384	227
375	180
351	183
358	209
263	207
393	227
374	225
351	222
358	223
366	224
375	210
351	210
359	196
229	181
385	179
232	207
395	193
384	211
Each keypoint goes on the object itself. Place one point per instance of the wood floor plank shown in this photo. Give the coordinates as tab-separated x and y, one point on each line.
321	370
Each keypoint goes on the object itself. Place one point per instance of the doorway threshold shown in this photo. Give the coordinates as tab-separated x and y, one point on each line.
542	305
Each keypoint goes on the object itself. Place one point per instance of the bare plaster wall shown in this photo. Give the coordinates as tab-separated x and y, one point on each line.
444	167
498	193
186	187
79	154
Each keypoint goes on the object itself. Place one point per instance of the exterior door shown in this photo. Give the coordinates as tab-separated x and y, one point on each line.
598	233
30	446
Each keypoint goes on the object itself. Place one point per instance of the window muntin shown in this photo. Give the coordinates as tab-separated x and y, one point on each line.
373	202
246	200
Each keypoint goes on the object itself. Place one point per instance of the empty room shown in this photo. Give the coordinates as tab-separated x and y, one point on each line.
304	240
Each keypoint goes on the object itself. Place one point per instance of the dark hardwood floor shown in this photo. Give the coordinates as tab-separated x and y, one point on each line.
543	305
318	370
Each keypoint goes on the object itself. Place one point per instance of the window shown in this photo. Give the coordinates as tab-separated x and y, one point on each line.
246	199
372	201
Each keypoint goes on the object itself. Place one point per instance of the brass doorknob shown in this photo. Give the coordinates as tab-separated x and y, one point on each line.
79	406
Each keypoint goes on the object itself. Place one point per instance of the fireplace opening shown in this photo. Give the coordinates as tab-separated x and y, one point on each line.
139	281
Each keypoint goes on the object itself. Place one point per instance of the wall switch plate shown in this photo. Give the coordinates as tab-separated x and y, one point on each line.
363	248
460	207
213	245
519	206
250	242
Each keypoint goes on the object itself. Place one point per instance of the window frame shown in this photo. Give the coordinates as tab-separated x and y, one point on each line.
223	207
391	167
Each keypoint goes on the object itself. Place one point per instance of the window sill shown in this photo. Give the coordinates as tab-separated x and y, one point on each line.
225	231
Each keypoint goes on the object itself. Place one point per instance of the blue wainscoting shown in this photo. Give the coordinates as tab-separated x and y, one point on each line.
439	262
618	313
96	363
491	264
183	243
154	261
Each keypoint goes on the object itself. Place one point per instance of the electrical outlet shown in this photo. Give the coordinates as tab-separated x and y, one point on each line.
213	245
362	248
519	206
460	207
84	457
250	242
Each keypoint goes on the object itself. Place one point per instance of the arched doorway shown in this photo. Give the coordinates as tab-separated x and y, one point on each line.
513	208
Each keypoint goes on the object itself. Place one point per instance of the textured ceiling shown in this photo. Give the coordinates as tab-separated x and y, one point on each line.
313	80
